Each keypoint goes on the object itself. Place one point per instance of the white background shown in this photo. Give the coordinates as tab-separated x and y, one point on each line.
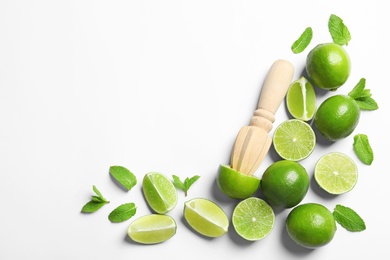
165	86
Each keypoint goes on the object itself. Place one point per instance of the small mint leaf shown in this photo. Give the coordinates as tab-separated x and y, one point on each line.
363	149
348	219
122	212
357	91
178	183
187	183
125	177
303	41
97	191
367	103
92	206
339	32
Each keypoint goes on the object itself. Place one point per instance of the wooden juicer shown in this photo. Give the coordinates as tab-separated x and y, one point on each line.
253	141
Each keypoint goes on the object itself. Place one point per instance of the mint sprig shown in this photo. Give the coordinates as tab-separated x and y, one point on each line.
363	149
122	212
185	186
125	177
363	96
303	41
97	201
348	219
338	30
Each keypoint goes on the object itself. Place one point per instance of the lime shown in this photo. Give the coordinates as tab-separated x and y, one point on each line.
236	184
336	173
337	117
159	192
294	140
152	229
285	183
328	66
206	217
253	219
301	99
311	225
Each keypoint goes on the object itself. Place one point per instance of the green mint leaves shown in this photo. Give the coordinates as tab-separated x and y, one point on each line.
348	219
123	212
363	149
303	41
185	186
363	96
339	32
97	201
125	177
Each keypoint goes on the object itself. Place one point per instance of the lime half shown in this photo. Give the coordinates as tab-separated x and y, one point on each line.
152	229
206	217
336	173
294	140
159	192
301	99
253	219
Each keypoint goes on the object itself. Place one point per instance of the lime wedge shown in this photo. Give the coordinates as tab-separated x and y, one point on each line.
159	192
301	99
152	229
206	217
294	140
336	173
253	219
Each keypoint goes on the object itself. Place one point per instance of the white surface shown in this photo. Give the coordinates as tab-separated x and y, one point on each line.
165	86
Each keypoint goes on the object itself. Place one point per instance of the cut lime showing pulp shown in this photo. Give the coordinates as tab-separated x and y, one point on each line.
301	99
159	191
294	140
336	173
206	217
152	229
253	219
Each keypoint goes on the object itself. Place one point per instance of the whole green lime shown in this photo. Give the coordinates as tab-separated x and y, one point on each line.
337	117
328	66
311	225
285	183
236	184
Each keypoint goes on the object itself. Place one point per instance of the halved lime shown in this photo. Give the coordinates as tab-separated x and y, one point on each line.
253	219
152	229
159	191
294	140
301	99
336	173
206	217
236	184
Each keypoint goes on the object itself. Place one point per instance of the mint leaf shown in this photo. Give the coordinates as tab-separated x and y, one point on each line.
95	203
125	177
367	103
339	32
363	149
348	219
357	91
185	186
363	96
122	212
303	41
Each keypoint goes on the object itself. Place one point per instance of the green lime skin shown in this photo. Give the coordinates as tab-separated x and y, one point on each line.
328	66
311	225
236	184
337	117
285	183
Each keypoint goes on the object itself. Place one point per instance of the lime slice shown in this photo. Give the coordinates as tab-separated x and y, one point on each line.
253	219
301	99
294	140
206	217
159	192
336	173
152	229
